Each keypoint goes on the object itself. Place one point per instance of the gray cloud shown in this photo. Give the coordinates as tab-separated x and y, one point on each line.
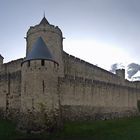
116	66
132	69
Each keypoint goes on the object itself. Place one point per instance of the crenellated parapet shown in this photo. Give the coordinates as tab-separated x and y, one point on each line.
42	28
78	67
40	66
75	79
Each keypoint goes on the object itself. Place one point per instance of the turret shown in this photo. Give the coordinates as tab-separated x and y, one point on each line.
120	73
52	36
39	96
1	60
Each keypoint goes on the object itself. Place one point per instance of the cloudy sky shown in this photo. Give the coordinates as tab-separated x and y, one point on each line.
102	32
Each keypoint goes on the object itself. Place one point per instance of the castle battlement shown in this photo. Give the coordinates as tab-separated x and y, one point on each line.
40	28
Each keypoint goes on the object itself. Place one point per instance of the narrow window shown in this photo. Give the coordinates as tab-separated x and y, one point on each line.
33	104
43	86
42	62
138	105
28	63
25	87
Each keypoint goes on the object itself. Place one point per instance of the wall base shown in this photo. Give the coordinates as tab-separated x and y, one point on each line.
81	113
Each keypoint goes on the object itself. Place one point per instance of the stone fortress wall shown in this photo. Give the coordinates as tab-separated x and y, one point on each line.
78	89
87	99
88	91
10	87
79	68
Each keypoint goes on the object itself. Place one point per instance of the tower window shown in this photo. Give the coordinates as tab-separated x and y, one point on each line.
43	86
28	64
42	62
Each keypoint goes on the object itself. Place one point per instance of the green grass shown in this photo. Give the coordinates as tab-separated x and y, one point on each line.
122	129
7	130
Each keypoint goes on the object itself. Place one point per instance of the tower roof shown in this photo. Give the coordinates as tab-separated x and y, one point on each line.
44	21
39	51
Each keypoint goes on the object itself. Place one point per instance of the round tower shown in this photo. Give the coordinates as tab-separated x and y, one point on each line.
51	35
39	95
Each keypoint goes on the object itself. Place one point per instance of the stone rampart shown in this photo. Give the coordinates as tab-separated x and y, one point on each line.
76	67
11	66
85	98
10	90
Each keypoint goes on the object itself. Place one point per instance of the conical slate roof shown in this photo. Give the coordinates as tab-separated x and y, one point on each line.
44	21
39	51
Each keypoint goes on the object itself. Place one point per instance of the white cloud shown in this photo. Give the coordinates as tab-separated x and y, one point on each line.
95	52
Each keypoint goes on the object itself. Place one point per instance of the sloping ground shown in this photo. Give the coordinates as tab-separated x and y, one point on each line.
123	129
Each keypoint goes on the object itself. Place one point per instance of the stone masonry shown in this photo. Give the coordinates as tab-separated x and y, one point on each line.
49	86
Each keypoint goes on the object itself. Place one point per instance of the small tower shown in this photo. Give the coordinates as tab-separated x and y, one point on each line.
1	60
39	96
52	36
120	73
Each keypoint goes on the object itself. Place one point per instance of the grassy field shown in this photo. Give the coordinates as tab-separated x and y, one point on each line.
122	129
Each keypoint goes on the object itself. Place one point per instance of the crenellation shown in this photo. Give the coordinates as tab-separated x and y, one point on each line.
48	28
79	79
72	57
77	67
13	66
89	81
